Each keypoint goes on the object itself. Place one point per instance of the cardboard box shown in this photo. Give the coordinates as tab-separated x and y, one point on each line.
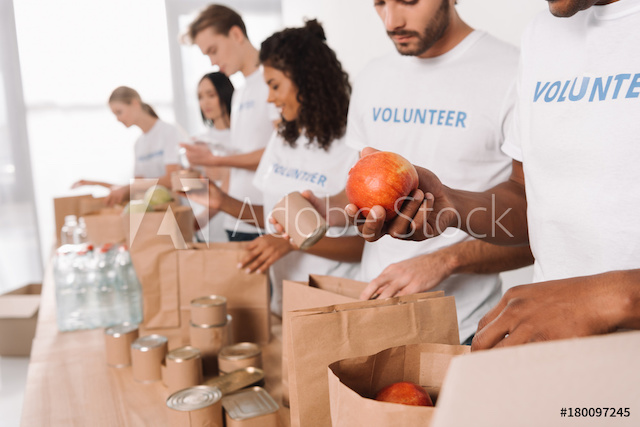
104	224
18	318
354	382
529	385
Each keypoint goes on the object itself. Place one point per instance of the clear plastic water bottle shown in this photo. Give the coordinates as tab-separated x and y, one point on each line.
130	287
80	232
106	286
71	280
68	230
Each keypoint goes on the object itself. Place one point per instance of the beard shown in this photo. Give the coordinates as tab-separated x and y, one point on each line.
431	34
568	8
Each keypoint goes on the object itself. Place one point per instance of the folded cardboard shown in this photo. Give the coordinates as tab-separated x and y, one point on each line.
319	291
18	318
354	382
531	384
321	336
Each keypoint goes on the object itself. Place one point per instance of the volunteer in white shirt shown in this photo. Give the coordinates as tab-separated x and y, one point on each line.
574	189
307	83
220	33
214	96
442	101
156	150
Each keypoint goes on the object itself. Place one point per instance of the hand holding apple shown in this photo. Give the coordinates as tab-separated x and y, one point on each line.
382	179
406	393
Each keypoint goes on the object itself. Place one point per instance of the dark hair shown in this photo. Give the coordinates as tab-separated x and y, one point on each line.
126	95
323	86
224	88
220	18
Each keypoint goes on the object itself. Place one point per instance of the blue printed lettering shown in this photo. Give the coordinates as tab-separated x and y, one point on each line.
395	116
440	117
404	115
538	92
432	112
375	115
597	86
420	117
461	118
583	89
562	96
386	110
634	84
321	180
548	97
619	79
449	120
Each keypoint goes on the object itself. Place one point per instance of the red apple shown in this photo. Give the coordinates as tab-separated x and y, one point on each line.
406	393
381	178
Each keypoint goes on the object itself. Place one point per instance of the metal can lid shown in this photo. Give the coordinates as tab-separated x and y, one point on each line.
148	342
209	301
239	351
194	398
117	331
183	353
249	403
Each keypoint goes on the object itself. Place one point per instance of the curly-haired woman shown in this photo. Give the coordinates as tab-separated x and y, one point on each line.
307	83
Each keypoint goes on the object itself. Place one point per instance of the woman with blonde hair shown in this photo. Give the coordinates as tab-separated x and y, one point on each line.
156	150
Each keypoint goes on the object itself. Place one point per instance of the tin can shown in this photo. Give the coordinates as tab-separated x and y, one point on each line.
199	406
209	310
209	339
253	407
183	368
147	354
300	219
240	355
118	340
237	380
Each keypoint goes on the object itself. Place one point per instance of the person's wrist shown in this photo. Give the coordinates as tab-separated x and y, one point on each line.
624	308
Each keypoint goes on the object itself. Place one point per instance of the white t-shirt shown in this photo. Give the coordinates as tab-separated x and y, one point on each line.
284	169
251	127
580	142
215	229
447	114
157	148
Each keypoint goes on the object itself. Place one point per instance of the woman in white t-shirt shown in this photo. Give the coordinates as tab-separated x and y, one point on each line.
156	150
215	91
308	85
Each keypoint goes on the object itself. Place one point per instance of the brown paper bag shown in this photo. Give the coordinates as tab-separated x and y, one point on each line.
212	270
321	336
64	206
354	382
319	291
153	239
104	224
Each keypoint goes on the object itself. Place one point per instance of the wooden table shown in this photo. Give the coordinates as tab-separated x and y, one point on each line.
70	384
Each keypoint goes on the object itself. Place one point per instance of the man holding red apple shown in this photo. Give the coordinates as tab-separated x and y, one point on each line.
443	103
574	189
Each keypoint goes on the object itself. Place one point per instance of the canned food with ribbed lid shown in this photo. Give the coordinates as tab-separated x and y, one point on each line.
209	310
147	355
253	407
197	406
183	368
118	340
240	355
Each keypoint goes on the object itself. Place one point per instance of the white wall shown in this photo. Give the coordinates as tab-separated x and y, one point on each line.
355	32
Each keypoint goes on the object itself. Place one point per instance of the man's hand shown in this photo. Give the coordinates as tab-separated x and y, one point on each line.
118	195
263	252
426	212
418	274
559	309
212	197
199	154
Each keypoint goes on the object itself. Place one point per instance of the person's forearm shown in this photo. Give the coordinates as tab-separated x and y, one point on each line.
344	249
478	257
247	161
243	211
498	215
626	292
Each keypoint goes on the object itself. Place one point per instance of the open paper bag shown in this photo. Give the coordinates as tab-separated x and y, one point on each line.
321	336
319	291
354	382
